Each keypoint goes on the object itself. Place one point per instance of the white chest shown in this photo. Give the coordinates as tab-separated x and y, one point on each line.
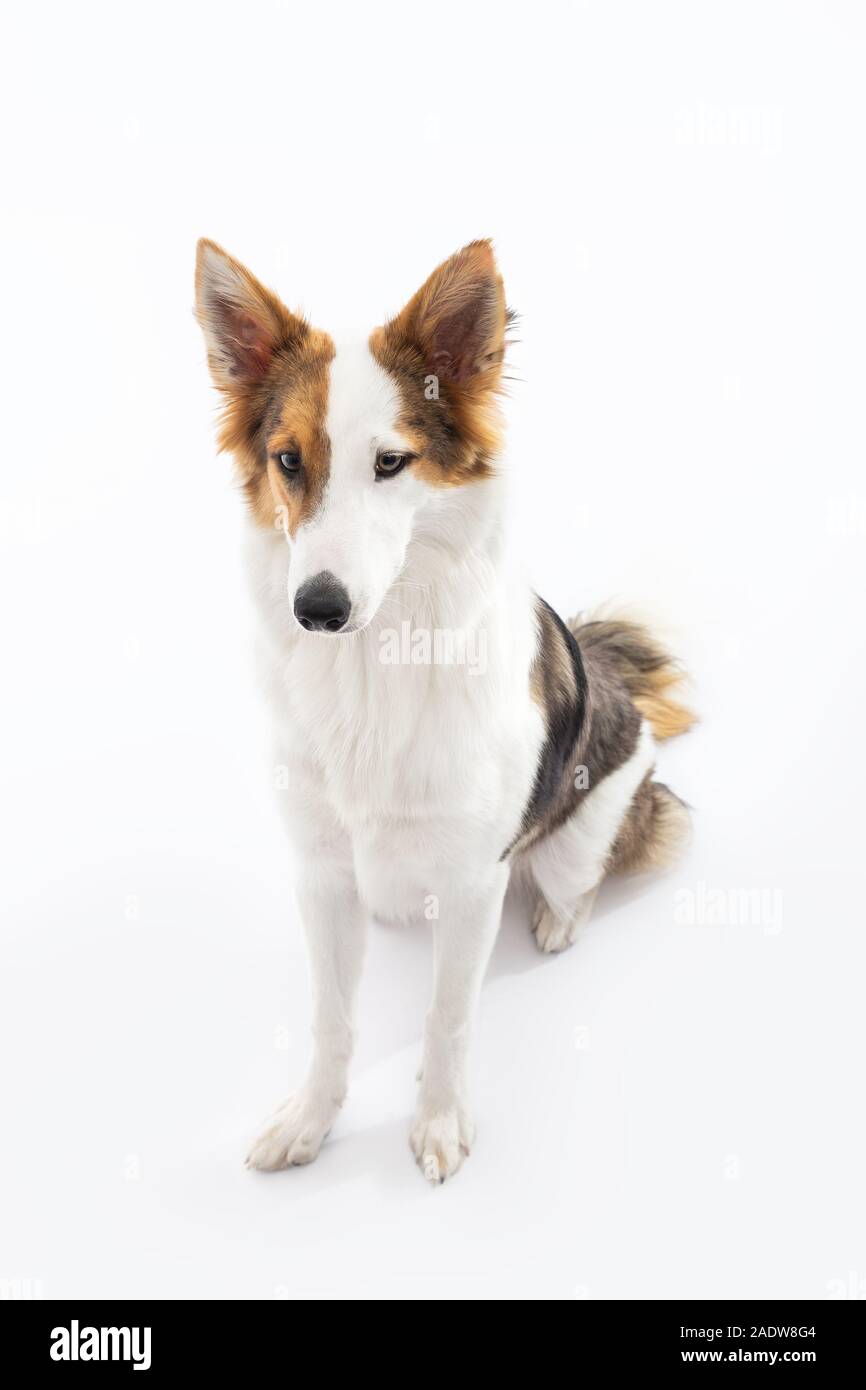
424	752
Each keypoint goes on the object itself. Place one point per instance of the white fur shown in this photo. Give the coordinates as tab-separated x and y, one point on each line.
407	782
361	529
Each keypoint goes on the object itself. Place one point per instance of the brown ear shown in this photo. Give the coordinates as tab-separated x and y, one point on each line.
457	319
244	324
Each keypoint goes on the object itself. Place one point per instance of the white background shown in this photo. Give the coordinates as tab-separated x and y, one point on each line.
676	196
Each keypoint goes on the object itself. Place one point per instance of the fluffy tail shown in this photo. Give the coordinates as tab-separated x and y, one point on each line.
652	677
654	831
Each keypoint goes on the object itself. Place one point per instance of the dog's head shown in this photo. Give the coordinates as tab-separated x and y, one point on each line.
345	449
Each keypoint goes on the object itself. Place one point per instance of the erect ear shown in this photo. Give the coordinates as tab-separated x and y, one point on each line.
457	320
244	325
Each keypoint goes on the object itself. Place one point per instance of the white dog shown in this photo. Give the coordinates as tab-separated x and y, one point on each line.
441	724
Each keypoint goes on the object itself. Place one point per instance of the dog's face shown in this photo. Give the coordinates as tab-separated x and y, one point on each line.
346	449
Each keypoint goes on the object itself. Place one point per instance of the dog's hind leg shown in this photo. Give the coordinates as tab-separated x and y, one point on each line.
555	929
570	863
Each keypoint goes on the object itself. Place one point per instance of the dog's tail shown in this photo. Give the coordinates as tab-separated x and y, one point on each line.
653	678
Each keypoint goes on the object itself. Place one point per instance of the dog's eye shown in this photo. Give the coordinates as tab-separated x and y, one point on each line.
389	464
290	461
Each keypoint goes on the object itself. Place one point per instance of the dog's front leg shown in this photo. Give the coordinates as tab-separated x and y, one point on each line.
335	926
442	1132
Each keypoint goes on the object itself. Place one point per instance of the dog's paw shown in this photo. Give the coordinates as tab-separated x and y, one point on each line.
551	932
440	1140
554	932
293	1135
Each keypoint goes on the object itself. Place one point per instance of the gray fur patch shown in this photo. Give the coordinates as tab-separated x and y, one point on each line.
591	723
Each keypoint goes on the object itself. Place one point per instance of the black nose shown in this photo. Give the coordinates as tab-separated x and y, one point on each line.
322	604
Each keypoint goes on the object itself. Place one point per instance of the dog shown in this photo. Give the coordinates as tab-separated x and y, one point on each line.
421	775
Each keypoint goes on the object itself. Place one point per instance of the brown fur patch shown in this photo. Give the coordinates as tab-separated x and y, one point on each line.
655	829
296	421
650	674
445	351
271	368
667	718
